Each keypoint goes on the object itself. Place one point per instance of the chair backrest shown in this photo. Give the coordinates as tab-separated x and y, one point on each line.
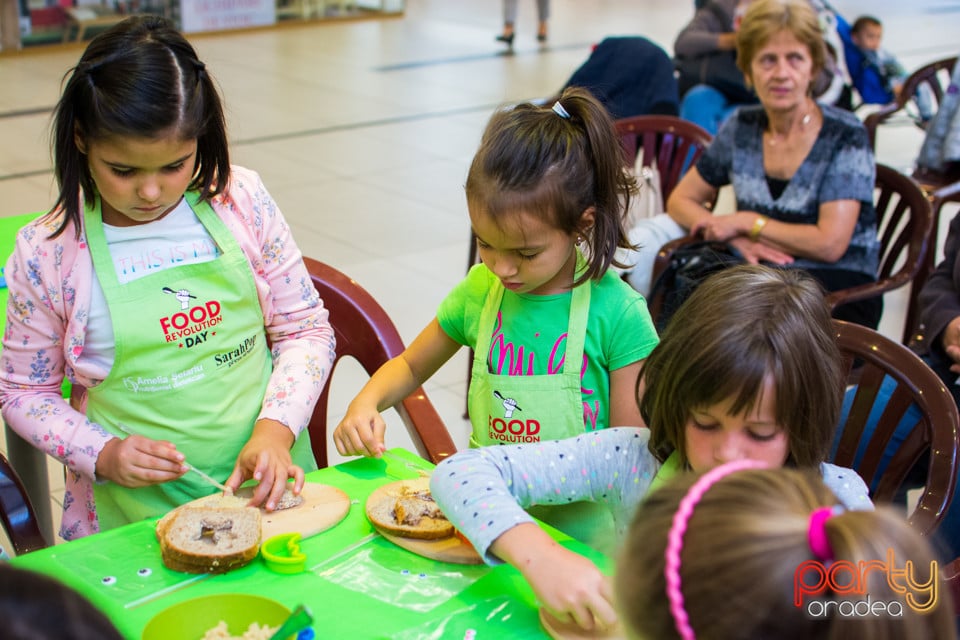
672	143
904	225
365	332
935	75
867	438
16	512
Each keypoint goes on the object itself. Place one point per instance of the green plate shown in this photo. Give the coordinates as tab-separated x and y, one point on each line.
191	619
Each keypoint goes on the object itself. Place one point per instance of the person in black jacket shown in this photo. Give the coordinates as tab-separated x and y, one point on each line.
631	76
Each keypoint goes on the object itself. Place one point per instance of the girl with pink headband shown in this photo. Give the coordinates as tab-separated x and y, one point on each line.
748	369
744	552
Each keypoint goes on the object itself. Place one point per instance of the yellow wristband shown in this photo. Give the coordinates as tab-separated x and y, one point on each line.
758	226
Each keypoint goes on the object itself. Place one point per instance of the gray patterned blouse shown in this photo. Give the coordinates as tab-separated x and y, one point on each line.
840	166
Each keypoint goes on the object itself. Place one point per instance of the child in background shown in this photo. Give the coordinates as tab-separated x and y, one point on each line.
558	338
867	34
718	558
158	284
747	369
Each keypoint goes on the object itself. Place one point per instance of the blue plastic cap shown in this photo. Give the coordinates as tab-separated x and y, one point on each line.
306	634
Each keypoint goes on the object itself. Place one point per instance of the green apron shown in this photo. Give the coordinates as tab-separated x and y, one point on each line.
670	469
507	409
191	366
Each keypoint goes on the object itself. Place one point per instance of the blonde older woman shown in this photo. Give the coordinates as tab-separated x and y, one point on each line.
802	173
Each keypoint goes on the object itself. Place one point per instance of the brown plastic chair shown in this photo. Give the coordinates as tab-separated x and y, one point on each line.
672	142
365	332
938	187
936	433
904	227
16	512
935	75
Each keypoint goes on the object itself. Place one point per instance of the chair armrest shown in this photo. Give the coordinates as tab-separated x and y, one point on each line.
881	115
425	426
660	263
869	290
666	252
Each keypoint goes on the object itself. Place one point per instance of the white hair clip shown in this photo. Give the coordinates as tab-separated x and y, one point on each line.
560	111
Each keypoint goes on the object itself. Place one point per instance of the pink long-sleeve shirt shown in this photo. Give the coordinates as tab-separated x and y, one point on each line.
50	283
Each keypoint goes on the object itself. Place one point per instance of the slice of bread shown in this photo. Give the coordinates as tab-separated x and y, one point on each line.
407	509
216	500
210	538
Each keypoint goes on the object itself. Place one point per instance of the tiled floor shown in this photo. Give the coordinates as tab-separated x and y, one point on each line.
363	132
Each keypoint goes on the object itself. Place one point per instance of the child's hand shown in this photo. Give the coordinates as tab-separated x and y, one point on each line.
572	589
266	459
568	585
138	461
360	433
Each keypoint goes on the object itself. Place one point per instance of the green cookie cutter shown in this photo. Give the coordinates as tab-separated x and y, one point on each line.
282	553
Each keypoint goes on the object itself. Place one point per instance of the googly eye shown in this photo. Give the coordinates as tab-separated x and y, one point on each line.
143	573
108	580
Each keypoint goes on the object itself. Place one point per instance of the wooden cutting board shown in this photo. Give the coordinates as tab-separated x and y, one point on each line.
451	549
559	630
323	507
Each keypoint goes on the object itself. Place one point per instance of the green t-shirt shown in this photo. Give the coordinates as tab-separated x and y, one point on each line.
529	336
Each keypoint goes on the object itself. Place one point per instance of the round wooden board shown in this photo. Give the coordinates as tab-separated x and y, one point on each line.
323	507
450	549
559	630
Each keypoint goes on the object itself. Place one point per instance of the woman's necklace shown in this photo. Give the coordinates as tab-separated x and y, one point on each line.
774	139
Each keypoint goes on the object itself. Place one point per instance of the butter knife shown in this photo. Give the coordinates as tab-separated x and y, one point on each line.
222	487
207	478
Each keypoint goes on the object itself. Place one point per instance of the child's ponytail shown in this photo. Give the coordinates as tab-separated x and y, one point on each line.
613	185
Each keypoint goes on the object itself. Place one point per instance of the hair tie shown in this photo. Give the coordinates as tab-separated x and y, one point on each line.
200	68
817	532
89	67
560	111
671	569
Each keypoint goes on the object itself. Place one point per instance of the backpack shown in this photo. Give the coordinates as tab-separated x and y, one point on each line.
689	266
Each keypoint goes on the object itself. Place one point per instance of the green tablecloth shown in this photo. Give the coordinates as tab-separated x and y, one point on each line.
357	584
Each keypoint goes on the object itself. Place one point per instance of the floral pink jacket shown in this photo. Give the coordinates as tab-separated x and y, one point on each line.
49	283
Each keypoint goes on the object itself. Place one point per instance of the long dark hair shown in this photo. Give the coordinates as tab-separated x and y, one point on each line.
142	79
535	160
